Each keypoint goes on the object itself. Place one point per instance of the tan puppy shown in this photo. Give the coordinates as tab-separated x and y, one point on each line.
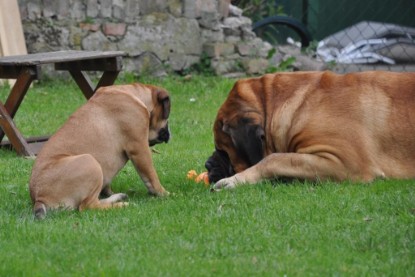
117	124
316	126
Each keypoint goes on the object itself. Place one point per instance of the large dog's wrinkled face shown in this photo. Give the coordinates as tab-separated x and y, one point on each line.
159	129
239	143
238	146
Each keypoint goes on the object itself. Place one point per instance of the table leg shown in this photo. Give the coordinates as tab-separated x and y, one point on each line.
107	79
13	134
84	83
17	93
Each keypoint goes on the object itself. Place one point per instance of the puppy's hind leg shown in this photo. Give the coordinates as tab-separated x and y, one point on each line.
114	201
86	185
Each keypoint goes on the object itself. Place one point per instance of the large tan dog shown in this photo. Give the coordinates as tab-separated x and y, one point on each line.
316	126
117	124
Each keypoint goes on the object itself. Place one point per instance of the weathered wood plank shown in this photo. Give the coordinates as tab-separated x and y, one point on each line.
58	57
11	30
12	41
13	71
101	64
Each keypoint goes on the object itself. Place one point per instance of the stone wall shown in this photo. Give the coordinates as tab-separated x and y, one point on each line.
157	35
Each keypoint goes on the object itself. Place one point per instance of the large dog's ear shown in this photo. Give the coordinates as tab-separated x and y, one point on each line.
249	141
164	99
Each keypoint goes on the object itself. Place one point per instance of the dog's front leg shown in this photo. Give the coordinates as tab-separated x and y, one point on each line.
143	163
293	165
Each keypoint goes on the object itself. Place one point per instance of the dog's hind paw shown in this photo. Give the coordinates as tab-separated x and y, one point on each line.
122	196
117	197
120	204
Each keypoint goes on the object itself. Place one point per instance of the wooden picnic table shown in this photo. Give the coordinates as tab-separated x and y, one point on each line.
26	68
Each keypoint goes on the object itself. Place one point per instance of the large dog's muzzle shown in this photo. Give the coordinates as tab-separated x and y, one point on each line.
219	166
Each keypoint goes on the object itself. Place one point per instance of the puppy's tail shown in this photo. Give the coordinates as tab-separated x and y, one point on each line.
39	210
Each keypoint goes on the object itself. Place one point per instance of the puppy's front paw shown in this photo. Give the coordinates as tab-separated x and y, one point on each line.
163	193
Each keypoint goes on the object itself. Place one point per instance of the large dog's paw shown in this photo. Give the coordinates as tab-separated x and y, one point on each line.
226	183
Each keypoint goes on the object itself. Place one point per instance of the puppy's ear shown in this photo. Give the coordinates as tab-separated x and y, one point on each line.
164	99
249	142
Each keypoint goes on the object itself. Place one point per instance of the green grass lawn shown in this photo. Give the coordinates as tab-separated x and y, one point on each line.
266	230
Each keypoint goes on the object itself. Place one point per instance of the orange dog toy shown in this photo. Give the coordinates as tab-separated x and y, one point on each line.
202	177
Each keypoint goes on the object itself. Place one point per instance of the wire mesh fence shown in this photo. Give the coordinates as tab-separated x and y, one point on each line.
351	35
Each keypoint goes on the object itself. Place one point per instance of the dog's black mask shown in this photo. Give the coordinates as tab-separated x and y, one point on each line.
162	136
219	166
